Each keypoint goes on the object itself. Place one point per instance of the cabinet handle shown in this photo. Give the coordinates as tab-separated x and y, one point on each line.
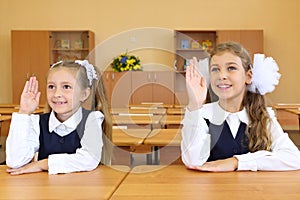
154	77
107	76
149	77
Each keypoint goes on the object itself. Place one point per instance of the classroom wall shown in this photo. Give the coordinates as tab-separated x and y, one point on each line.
278	18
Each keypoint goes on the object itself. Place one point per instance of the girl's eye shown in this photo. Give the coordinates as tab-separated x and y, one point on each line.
67	87
214	69
51	87
231	68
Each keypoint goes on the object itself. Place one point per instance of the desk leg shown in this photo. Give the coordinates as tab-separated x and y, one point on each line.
156	155
149	159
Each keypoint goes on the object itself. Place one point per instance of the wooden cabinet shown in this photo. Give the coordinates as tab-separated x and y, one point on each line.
33	52
30	56
252	40
71	45
118	88
153	86
197	43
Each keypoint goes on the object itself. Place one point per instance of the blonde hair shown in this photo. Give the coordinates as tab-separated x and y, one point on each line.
257	131
99	103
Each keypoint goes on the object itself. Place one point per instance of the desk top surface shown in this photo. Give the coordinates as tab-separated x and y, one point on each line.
97	184
4	117
164	137
177	182
128	137
155	111
143	119
295	111
9	111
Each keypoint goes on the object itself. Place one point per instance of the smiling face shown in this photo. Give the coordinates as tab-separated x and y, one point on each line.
64	94
229	79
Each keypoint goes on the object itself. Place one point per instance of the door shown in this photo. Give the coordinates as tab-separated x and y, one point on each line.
30	56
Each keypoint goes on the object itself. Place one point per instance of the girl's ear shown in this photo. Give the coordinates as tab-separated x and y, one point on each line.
249	77
85	94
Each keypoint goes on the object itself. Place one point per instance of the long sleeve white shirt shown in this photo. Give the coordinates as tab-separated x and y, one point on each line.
195	145
23	142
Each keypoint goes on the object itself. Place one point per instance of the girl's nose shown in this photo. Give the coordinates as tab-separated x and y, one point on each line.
57	93
222	75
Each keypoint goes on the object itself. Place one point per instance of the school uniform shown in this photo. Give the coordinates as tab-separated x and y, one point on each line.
74	145
211	133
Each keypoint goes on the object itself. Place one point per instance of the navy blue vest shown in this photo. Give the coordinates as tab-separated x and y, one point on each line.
223	145
51	143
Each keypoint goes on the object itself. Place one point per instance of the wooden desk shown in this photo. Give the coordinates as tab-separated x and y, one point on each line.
9	111
137	121
97	184
286	106
159	138
177	182
152	105
16	106
3	119
129	141
154	111
171	121
164	137
129	137
287	120
175	111
296	112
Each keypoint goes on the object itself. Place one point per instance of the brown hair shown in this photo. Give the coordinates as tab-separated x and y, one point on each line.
255	104
98	102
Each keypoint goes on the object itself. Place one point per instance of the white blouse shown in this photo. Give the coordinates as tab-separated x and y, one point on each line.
195	145
23	142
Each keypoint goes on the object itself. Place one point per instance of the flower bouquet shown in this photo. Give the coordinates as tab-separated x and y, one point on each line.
125	62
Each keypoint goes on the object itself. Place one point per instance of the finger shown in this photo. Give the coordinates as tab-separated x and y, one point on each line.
30	86
35	86
26	87
203	81
188	73
37	97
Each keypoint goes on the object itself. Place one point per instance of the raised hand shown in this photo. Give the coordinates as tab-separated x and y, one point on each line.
196	86
30	96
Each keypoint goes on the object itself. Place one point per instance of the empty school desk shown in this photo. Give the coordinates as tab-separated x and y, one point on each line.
3	119
296	112
124	111
175	111
151	105
171	121
177	182
137	121
97	184
9	111
129	137
162	138
128	141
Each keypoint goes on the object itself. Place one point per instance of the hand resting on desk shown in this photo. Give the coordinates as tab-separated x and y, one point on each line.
224	165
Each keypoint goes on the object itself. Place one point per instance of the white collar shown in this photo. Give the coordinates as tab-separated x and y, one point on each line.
217	115
70	124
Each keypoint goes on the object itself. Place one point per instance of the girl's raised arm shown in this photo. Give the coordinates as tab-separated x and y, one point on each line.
196	86
30	96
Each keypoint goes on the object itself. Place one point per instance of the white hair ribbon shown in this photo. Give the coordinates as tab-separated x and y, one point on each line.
90	70
265	75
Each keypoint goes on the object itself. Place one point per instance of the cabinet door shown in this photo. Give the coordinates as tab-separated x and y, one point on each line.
155	86
30	55
252	40
141	87
163	87
118	88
